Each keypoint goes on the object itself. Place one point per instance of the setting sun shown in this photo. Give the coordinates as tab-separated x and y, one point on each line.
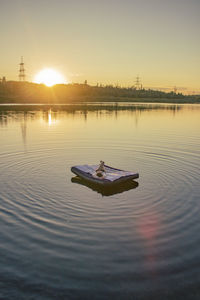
49	77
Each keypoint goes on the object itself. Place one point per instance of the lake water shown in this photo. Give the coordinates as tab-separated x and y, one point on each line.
64	240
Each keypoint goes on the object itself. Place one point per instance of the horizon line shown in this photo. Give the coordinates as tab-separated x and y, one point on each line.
179	90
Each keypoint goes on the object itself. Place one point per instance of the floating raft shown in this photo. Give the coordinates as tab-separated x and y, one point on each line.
111	176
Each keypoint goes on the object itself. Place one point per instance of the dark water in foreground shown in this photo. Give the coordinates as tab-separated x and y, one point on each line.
62	240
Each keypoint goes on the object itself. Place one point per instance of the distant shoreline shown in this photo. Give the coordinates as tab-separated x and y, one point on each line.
82	100
16	92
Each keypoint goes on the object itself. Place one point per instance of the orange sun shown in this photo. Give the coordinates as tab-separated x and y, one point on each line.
49	77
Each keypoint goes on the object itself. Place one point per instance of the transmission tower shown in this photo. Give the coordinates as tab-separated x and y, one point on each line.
138	83
21	70
175	90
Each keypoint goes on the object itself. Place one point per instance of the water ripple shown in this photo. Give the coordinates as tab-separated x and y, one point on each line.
58	235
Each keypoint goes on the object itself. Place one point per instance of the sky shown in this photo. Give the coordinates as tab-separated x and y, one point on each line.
107	41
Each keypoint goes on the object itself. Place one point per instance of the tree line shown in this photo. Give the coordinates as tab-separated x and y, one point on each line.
28	92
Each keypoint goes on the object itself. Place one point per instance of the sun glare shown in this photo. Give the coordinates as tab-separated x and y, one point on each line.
49	77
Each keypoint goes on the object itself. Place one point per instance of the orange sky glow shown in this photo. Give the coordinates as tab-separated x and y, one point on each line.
107	42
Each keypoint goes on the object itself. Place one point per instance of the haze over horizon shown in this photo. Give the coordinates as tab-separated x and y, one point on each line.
109	42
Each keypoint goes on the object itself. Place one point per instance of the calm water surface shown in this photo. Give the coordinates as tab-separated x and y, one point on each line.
63	240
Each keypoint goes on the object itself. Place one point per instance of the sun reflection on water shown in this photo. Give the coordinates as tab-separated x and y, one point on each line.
50	118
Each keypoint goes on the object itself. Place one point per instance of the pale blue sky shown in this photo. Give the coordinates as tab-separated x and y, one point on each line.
104	41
